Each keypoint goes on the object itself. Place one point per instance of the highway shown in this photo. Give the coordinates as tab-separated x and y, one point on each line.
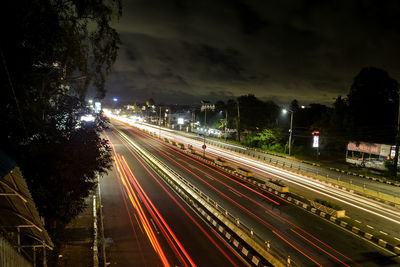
307	239
351	179
377	215
147	224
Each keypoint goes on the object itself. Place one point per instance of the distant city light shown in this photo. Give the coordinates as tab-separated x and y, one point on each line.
115	99
303	107
284	111
97	107
90	101
87	118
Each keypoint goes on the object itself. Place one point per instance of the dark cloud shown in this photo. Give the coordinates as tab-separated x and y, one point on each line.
308	50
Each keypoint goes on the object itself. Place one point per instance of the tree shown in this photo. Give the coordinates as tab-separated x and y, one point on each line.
373	105
334	125
53	52
270	139
256	114
294	106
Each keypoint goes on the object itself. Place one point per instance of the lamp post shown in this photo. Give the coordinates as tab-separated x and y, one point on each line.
396	155
205	105
226	123
284	111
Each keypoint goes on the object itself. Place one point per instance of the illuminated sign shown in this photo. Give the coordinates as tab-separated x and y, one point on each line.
393	152
315	141
97	107
180	121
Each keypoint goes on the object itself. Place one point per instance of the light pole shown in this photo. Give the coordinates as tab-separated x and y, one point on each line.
226	122
238	120
159	124
205	105
284	111
396	155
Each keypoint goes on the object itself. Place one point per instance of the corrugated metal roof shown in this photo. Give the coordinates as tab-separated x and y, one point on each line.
17	207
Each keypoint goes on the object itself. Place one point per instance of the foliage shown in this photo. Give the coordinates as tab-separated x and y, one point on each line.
56	50
269	139
373	104
256	114
390	170
335	126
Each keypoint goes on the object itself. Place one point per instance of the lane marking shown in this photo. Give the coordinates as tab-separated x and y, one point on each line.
370	226
383	232
154	225
138	223
235	192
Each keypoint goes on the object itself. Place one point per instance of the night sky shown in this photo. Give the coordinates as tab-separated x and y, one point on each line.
185	51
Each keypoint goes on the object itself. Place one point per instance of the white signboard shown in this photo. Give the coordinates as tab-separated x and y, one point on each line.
180	121
315	141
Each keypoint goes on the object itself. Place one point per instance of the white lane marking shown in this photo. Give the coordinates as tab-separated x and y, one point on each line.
138	223
370	226
235	192
154	225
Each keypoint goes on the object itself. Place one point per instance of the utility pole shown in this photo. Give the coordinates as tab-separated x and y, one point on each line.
396	155
238	121
291	132
159	124
226	122
205	118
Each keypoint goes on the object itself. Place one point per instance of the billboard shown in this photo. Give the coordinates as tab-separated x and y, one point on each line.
369	148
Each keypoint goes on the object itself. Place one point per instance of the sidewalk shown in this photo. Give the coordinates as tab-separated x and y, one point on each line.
78	250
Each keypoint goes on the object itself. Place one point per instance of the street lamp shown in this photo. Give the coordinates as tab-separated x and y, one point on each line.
205	105
284	111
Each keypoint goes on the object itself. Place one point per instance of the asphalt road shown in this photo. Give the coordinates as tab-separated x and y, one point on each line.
308	239
136	201
356	180
376	215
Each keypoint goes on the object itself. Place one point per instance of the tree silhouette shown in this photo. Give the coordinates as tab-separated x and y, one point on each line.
373	105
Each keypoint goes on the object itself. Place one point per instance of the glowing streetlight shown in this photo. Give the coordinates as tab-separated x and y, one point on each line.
284	111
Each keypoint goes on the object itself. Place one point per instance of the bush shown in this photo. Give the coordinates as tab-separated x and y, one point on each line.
390	170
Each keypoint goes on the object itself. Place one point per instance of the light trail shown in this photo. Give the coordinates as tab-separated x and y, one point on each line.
268	210
129	214
216	171
269	226
142	217
369	206
157	217
186	212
